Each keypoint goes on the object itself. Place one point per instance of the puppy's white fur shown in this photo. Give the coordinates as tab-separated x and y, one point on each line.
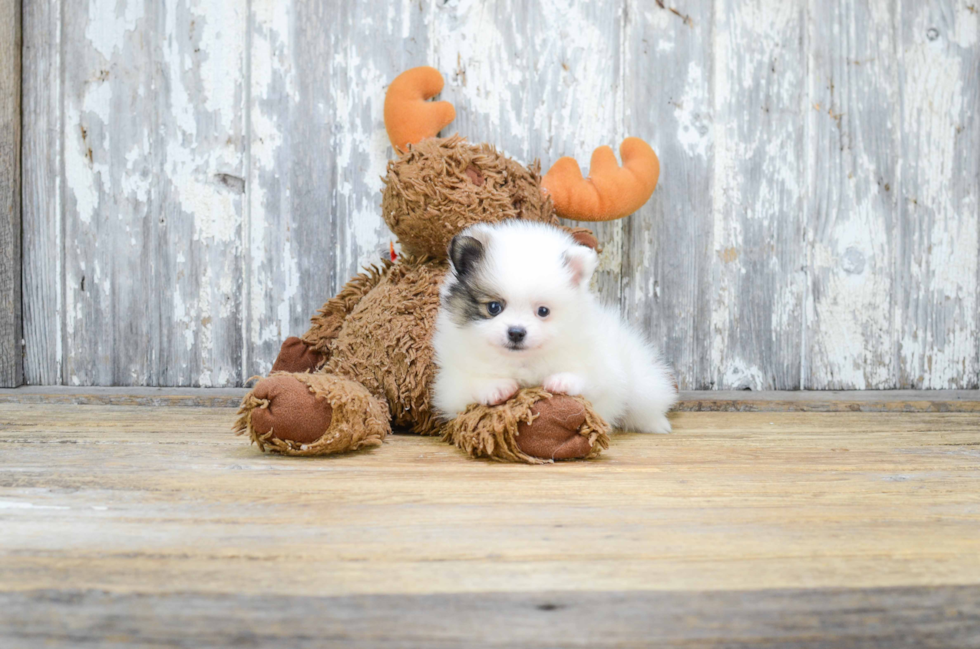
579	347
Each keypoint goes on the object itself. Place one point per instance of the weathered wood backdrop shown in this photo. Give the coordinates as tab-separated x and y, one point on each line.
11	364
200	175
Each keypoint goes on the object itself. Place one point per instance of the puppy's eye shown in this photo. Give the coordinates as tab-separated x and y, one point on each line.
543	312
494	308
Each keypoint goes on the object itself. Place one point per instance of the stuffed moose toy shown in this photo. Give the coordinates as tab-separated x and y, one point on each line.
366	362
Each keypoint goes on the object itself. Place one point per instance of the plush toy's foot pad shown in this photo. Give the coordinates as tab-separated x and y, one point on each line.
554	432
296	356
311	414
291	409
533	427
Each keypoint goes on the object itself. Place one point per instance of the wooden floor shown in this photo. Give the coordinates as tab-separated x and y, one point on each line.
155	527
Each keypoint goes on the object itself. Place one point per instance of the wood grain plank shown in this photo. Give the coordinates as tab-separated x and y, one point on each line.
11	324
758	275
573	92
937	262
318	150
43	238
853	196
843	618
538	81
154	183
668	257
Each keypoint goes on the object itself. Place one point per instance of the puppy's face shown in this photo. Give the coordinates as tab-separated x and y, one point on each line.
517	288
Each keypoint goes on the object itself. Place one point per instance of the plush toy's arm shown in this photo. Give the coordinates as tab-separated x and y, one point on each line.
310	351
326	323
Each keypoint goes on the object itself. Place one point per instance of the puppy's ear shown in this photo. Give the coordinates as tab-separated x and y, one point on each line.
465	253
581	262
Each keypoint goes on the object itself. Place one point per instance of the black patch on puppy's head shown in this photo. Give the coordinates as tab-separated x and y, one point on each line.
468	292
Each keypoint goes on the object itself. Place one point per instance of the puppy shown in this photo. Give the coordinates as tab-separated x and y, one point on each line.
516	311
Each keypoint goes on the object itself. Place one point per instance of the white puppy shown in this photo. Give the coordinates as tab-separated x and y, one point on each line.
516	311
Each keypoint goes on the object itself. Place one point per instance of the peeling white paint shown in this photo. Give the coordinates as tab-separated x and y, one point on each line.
225	47
940	341
272	63
966	23
291	281
726	232
469	53
739	375
85	173
693	131
109	33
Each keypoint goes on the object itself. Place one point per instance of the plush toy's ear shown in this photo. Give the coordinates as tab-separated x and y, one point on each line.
581	262
409	118
465	253
585	237
610	192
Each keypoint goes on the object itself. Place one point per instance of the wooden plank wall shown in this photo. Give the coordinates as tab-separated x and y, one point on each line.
11	352
198	179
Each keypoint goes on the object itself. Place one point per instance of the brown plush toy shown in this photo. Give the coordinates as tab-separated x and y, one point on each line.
366	362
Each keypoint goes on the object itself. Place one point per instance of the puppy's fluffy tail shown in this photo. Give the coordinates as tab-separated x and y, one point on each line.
653	390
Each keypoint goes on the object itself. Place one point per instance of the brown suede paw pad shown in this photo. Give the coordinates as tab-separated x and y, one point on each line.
554	431
291	409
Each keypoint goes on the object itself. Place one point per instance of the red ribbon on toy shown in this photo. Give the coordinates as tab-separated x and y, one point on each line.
391	248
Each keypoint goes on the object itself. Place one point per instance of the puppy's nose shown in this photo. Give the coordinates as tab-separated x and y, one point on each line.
516	334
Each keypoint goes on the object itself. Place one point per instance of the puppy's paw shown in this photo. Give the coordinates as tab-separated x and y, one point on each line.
493	393
564	383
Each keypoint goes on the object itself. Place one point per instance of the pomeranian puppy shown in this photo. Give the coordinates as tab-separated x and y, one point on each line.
516	311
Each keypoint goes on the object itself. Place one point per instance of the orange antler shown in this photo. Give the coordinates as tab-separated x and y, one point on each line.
610	192
409	118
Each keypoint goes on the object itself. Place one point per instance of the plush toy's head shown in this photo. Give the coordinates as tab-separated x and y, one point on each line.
441	186
438	187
